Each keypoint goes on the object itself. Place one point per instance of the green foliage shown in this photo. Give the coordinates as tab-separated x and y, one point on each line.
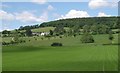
48	36
87	38
6	32
4	43
22	34
103	29
94	29
70	32
76	29
112	22
28	27
43	29
12	42
111	36
86	29
99	29
28	32
74	35
15	37
109	21
56	44
60	36
59	29
51	32
42	38
22	41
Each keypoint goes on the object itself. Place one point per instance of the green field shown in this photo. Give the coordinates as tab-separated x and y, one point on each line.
43	29
38	55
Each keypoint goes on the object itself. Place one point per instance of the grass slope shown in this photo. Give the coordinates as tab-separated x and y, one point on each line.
43	29
82	58
38	55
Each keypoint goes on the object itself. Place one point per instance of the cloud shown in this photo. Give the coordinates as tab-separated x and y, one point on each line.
101	14
75	14
39	1
28	17
25	16
43	17
94	4
50	7
56	15
6	16
5	27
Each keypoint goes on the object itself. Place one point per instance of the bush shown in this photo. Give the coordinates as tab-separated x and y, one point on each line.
56	44
4	43
35	38
57	34
87	38
60	36
74	35
42	38
12	42
94	33
22	41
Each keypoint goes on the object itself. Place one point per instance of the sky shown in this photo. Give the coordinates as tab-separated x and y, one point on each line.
16	14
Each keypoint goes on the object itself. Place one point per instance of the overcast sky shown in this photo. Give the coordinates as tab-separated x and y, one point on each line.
16	14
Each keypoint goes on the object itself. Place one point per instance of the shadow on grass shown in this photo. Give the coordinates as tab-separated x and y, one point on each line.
112	44
21	48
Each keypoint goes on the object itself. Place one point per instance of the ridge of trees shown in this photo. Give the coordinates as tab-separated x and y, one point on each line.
108	21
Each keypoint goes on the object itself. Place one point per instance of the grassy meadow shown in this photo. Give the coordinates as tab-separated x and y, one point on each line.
43	29
41	35
38	55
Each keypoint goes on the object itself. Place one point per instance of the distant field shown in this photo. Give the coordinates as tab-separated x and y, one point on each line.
43	29
47	29
67	41
38	55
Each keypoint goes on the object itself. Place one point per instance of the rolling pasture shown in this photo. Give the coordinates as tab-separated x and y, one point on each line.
38	55
43	29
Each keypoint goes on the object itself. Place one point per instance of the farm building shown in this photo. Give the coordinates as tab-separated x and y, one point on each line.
44	33
40	33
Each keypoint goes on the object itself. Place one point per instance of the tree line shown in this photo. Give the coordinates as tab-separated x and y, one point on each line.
77	26
109	21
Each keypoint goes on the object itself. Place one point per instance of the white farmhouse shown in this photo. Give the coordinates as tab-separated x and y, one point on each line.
44	33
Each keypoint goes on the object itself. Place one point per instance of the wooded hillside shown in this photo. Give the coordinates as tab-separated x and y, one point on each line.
109	21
